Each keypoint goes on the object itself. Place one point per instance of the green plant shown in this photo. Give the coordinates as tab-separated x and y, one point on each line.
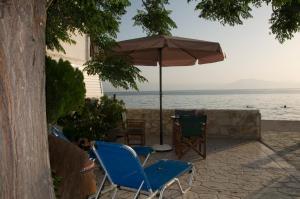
99	19
285	17
56	182
155	19
65	89
95	120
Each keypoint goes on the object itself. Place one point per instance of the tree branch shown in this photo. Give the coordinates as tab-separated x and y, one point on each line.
49	3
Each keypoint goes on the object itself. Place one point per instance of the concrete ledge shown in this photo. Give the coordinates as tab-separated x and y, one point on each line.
280	125
239	124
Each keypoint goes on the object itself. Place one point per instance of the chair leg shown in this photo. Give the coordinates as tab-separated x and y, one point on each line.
200	149
144	139
179	186
146	159
138	191
189	144
114	193
191	177
127	139
161	193
204	149
101	186
180	151
176	180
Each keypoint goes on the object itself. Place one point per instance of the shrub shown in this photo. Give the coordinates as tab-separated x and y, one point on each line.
56	180
95	120
65	89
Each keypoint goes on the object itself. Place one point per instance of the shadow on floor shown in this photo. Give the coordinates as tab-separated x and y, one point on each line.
287	151
281	188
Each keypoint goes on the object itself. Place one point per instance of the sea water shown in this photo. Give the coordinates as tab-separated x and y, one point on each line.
274	104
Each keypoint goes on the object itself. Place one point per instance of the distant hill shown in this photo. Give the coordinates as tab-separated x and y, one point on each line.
240	84
259	84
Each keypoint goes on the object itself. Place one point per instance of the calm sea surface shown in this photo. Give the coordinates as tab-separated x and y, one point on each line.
270	102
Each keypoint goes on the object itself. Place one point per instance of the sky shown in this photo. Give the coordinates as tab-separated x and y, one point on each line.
251	51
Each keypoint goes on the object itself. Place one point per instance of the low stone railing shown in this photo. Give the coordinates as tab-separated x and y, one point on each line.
240	124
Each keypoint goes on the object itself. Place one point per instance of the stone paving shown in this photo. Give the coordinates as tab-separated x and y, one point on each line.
235	169
285	144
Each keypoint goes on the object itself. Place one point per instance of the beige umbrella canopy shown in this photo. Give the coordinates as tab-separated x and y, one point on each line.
169	51
175	51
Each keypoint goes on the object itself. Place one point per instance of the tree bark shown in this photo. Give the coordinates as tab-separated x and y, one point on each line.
24	160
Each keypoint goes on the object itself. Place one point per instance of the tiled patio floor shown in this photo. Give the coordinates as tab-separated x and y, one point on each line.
235	169
285	144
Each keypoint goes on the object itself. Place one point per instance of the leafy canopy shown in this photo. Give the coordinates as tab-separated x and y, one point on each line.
100	20
115	69
285	19
65	89
155	19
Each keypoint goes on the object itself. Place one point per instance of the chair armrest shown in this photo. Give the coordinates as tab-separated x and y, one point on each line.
135	123
177	129
91	166
176	123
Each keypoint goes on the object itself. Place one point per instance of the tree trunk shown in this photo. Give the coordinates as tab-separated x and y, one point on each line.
24	160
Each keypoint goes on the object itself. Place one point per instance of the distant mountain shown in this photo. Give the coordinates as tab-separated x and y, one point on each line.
240	84
259	84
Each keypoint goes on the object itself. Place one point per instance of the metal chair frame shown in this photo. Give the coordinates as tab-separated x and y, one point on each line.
150	194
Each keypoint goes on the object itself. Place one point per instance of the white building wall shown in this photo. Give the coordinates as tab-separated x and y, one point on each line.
78	54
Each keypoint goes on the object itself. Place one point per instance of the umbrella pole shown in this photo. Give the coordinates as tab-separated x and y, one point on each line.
161	140
161	147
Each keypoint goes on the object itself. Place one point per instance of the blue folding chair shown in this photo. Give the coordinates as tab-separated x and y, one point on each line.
58	133
144	151
124	171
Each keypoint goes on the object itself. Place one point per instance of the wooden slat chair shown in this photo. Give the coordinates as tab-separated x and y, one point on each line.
190	133
134	131
178	113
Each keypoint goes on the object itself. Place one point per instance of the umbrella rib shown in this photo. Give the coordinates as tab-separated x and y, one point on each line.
184	50
187	52
131	51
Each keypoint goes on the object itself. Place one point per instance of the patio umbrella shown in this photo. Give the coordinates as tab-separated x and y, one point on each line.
168	51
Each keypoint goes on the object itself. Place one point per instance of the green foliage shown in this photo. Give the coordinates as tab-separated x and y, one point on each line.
65	89
96	18
227	12
100	20
95	120
115	69
285	19
56	182
118	70
155	19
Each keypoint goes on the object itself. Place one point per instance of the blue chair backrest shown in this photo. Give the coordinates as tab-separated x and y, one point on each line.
58	133
122	165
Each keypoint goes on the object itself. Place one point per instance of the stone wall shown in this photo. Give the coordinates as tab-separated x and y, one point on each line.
280	125
240	124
